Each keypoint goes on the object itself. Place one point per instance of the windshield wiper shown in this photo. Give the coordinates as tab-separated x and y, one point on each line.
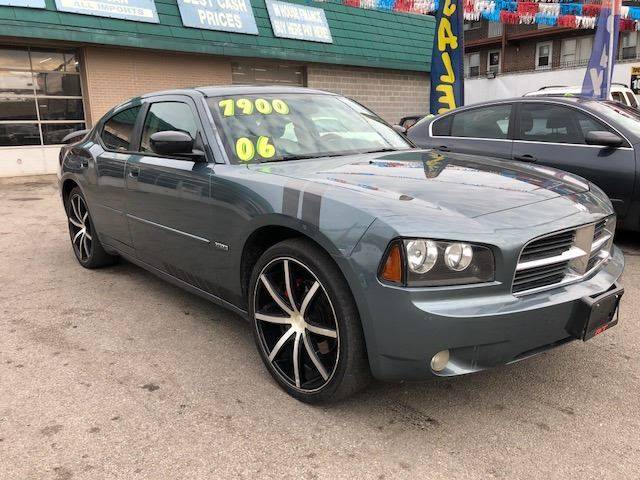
381	150
286	158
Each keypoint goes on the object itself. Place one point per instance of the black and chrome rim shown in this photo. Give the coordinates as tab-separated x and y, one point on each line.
80	227
296	324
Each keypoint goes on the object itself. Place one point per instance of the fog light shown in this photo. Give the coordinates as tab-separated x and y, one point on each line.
440	360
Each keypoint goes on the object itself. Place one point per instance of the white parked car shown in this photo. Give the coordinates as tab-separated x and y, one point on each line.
619	92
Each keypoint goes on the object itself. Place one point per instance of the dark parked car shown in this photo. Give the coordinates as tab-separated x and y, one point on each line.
349	252
410	121
594	139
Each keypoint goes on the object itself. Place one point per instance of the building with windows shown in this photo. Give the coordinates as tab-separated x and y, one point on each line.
64	63
511	60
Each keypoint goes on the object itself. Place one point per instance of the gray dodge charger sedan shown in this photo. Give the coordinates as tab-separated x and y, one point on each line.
351	253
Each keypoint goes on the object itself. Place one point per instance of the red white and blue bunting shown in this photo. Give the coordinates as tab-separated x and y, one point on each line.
553	13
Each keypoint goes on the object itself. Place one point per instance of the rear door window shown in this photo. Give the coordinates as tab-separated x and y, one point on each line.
442	127
117	132
485	122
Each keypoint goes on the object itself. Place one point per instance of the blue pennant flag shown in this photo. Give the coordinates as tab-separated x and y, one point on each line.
597	80
447	69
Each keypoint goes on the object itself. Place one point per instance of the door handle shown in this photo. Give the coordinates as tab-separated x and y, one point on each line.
443	148
134	172
525	158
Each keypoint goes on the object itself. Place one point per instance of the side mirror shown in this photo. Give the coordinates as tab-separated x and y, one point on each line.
603	138
400	129
171	142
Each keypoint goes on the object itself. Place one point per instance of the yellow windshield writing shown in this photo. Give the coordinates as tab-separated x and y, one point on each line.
230	107
246	150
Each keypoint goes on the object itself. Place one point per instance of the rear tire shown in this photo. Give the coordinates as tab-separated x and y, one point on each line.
306	324
84	238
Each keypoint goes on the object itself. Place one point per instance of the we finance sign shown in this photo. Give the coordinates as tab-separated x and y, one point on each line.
225	15
298	21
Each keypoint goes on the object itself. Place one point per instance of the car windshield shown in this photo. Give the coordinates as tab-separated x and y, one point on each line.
619	114
279	127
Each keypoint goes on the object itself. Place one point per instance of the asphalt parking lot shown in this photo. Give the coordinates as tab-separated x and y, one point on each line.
114	373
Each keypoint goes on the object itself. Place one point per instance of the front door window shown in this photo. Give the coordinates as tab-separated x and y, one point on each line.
549	123
165	116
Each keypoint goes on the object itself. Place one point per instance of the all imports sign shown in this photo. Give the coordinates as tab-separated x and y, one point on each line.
298	21
136	10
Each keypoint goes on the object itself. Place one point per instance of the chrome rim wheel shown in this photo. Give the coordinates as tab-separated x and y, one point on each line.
80	227
296	324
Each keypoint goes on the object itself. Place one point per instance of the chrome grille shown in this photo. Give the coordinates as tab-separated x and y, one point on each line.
539	277
599	229
548	246
563	257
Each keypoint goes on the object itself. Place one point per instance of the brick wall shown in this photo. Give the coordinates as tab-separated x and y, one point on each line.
112	75
477	33
391	94
519	57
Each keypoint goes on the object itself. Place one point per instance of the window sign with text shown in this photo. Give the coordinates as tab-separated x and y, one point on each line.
136	10
225	15
23	3
300	22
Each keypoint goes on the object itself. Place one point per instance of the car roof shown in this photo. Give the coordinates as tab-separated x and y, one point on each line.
217	90
573	89
569	100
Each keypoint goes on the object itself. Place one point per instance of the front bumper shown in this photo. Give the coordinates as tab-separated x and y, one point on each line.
481	327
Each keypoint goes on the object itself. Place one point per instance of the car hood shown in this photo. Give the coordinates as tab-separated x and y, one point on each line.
467	185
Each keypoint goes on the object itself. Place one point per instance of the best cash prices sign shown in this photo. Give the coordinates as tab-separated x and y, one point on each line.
299	22
224	15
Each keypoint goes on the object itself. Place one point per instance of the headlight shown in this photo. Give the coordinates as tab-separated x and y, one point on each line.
458	256
419	262
421	255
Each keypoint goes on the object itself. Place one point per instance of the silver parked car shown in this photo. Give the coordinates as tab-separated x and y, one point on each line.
349	252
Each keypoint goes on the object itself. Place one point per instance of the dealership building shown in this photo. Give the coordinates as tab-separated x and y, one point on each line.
64	63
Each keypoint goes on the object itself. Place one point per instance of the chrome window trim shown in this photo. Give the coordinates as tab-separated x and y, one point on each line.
453	112
570	144
587	112
533	100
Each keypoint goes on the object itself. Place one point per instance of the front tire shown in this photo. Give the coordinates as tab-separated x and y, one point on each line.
84	238
306	324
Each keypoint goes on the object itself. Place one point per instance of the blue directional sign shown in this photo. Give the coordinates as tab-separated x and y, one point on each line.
225	15
23	3
136	10
298	21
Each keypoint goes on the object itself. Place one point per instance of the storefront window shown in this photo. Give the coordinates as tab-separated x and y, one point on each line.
40	96
252	73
